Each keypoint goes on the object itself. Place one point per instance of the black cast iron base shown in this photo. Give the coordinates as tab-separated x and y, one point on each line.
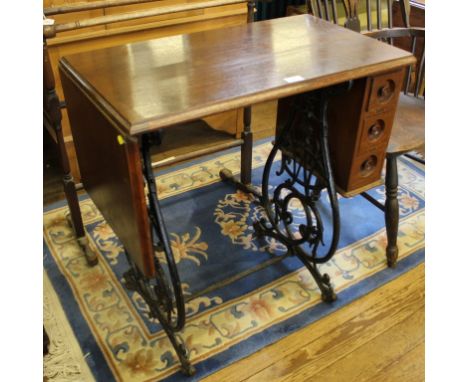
305	159
262	230
303	143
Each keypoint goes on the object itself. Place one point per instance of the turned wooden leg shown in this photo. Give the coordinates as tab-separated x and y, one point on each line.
392	210
72	199
246	148
53	108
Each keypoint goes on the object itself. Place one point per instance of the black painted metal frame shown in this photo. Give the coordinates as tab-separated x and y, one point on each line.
306	162
305	159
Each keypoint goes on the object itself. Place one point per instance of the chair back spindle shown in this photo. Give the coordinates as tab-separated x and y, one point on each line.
390	13
421	72
378	13
352	17
413	83
326	10
369	15
380	26
409	70
378	17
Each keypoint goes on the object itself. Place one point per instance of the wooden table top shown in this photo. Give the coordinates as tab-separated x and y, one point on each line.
157	83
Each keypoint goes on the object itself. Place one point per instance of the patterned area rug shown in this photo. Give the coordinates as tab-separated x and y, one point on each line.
108	331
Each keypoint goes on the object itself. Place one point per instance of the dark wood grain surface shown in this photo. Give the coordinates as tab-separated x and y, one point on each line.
153	84
112	175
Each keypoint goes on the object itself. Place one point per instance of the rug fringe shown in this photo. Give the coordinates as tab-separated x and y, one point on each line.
65	361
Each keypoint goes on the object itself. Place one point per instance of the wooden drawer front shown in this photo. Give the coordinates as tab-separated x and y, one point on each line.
366	169
375	132
384	91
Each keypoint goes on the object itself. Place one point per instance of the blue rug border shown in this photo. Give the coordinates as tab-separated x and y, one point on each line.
413	164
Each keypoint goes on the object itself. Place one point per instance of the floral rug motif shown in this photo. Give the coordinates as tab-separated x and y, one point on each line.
210	225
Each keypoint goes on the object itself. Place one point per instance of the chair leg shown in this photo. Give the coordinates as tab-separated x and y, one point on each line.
246	148
392	210
76	219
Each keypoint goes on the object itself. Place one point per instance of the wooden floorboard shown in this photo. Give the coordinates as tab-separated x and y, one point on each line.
322	348
370	359
408	368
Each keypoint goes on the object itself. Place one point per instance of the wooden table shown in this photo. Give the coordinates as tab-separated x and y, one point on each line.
328	80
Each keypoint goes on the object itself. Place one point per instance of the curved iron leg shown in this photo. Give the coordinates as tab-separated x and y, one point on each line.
165	300
392	209
135	281
323	280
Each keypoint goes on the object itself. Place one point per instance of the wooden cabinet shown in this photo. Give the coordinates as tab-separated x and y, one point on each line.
361	160
97	37
360	124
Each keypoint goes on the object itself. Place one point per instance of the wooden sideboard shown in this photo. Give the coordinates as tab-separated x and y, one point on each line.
92	38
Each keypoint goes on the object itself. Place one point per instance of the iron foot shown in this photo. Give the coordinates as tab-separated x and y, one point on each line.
328	294
187	368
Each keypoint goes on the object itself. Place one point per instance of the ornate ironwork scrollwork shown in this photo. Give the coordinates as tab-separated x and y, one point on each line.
305	159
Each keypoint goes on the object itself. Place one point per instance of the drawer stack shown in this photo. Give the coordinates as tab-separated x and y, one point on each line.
373	133
360	123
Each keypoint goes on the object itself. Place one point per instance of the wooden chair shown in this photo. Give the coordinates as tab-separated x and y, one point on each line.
352	14
408	126
407	132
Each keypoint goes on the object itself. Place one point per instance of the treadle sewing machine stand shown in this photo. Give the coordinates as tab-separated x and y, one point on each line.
163	299
108	113
311	171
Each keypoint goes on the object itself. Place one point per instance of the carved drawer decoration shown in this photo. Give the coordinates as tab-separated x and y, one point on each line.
375	131
384	92
366	169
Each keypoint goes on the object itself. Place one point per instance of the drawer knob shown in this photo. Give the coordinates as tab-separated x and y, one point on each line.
385	92
376	130
368	166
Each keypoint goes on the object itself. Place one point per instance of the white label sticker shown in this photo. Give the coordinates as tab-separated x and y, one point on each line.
294	79
48	22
